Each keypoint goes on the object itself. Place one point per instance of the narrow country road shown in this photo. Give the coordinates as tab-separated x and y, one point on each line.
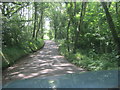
45	62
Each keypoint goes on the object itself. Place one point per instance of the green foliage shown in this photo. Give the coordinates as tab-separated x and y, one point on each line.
11	54
88	32
90	60
17	32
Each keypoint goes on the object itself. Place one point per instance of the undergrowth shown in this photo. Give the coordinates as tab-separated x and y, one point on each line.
90	60
11	54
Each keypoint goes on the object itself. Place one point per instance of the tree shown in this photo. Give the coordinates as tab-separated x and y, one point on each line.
67	36
40	23
80	23
9	9
111	26
35	19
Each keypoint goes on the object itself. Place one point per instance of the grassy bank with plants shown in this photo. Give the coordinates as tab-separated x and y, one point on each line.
89	59
11	54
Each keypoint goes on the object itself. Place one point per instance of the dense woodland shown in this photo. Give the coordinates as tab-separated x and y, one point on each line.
88	33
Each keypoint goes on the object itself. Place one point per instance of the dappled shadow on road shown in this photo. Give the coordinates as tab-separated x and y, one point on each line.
45	62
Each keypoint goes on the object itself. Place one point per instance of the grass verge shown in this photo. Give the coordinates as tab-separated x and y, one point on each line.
11	54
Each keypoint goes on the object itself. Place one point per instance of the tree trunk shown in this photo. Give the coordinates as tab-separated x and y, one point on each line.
55	32
78	28
55	26
67	37
111	26
42	33
75	27
39	25
3	9
38	28
35	19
